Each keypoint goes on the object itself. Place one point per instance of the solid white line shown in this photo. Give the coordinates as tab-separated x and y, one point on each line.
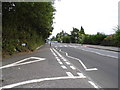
28	62
38	80
39	47
69	74
93	84
73	67
67	63
64	67
91	69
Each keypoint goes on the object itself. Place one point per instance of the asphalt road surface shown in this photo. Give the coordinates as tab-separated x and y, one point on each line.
62	66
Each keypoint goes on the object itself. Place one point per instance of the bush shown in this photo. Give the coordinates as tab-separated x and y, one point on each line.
117	38
66	39
108	41
93	39
112	40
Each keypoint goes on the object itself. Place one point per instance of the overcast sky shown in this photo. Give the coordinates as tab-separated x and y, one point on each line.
94	15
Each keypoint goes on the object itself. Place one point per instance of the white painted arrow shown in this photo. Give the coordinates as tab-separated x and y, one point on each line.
20	62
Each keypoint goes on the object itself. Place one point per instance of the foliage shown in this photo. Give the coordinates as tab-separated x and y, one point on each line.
82	30
117	37
112	40
93	39
66	39
79	36
26	22
74	35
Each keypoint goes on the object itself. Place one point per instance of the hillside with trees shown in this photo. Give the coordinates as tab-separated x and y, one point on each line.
25	25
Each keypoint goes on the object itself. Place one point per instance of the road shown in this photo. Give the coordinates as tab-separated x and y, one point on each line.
62	66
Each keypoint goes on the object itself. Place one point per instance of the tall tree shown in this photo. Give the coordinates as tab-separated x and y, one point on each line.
74	35
82	30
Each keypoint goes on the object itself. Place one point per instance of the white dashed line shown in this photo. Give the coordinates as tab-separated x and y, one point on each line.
64	60
56	57
93	84
64	67
81	75
69	74
60	62
67	63
73	67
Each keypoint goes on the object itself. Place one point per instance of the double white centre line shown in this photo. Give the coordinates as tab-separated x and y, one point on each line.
69	74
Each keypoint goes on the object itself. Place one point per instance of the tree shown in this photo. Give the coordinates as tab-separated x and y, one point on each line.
117	37
26	22
74	35
66	38
82	30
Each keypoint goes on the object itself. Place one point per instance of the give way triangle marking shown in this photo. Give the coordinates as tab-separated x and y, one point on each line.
23	62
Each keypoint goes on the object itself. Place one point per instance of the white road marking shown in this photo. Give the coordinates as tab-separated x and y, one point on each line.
73	67
20	62
65	45
58	53
38	80
60	62
53	52
98	53
56	46
27	62
93	84
64	60
90	69
56	57
39	47
64	67
69	74
67	63
81	75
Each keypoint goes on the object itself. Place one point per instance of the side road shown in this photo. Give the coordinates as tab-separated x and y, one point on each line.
116	49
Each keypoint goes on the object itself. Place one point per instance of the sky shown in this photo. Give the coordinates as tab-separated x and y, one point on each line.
93	15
